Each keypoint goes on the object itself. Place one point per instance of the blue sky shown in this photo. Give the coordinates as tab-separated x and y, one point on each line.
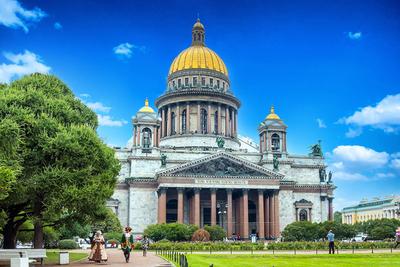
330	68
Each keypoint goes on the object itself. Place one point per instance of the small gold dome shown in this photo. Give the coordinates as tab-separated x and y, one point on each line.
272	115
198	56
146	107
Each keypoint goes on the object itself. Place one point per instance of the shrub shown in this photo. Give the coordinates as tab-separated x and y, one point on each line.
67	244
170	231
216	232
201	235
112	235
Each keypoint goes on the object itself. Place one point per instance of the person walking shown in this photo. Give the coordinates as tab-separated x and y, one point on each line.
145	245
331	239
98	252
397	237
127	243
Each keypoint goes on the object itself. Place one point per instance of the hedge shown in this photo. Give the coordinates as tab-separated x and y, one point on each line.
243	246
67	244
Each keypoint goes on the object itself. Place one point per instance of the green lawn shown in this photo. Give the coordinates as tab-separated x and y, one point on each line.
52	256
342	260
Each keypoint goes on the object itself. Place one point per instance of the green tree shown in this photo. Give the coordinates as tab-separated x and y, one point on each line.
216	232
301	231
337	217
66	172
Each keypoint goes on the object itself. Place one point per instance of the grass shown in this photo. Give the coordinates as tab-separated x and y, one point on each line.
52	256
342	260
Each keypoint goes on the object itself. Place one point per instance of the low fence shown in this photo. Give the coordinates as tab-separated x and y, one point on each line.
178	258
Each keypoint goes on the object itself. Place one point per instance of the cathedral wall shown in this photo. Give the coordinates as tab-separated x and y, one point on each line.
144	168
286	208
122	196
143	208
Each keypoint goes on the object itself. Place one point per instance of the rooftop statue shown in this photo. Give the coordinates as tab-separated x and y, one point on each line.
316	150
163	159
275	162
220	141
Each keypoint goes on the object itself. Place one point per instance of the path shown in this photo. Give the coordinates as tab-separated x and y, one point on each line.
116	258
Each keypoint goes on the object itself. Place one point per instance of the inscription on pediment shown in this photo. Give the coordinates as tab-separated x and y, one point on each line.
220	167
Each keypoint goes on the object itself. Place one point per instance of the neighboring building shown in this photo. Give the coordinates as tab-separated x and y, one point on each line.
371	210
186	163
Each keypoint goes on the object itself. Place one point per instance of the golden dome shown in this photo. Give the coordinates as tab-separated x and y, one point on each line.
272	115
146	107
198	56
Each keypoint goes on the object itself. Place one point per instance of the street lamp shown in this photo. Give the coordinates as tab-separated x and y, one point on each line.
222	208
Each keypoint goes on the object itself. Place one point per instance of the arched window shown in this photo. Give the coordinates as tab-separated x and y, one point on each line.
183	120
146	137
216	122
303	215
275	142
173	119
203	121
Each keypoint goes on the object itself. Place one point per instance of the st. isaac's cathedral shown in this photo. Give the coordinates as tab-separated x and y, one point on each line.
187	163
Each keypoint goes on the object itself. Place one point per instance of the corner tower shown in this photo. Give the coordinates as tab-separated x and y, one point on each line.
272	132
198	104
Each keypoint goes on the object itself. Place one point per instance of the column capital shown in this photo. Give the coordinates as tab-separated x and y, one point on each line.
163	190
245	190
229	190
196	190
213	190
180	189
261	191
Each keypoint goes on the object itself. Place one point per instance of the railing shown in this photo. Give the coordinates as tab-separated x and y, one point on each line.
178	258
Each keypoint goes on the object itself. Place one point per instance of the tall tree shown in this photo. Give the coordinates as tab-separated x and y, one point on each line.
66	171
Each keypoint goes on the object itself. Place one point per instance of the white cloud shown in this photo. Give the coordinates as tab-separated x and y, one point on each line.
395	163
58	26
354	35
21	64
348	176
385	175
13	15
106	120
354	132
385	115
85	95
124	50
321	123
360	155
98	106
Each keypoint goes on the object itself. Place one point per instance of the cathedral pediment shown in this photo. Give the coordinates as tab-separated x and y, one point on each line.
220	165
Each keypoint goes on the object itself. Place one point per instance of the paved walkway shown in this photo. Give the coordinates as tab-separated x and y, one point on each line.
116	258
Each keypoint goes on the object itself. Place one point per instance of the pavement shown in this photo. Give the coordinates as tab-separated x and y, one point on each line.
116	258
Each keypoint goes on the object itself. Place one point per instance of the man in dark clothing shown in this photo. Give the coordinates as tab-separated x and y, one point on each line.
331	239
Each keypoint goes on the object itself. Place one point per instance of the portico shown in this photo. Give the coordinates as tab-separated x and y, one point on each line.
241	197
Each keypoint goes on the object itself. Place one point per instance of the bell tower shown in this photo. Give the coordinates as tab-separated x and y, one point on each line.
272	132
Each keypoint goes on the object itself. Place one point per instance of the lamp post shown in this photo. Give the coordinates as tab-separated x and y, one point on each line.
222	208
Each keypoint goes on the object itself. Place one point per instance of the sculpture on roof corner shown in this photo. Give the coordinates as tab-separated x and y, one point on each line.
275	162
330	177
220	142
316	150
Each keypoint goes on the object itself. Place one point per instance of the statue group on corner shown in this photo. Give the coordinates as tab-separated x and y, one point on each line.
220	142
316	150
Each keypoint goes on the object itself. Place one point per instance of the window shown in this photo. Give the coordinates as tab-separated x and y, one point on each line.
223	85
211	82
303	215
275	142
194	81
179	83
216	122
218	84
173	83
203	121
203	81
146	137
186	81
173	131
183	120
